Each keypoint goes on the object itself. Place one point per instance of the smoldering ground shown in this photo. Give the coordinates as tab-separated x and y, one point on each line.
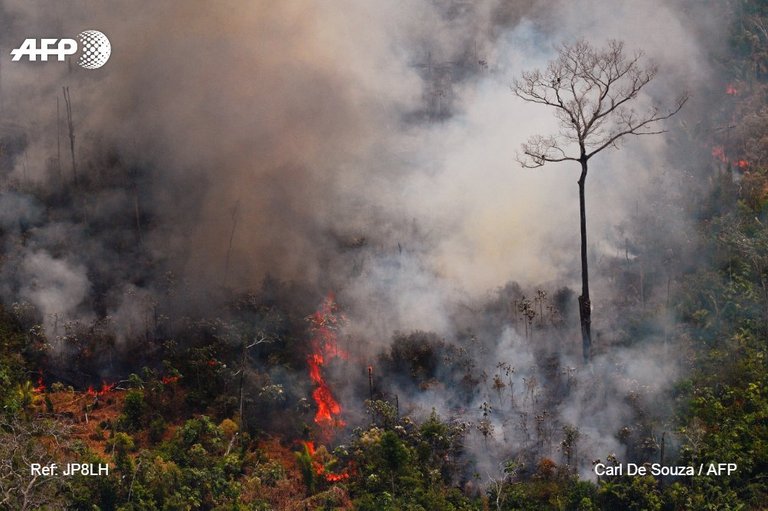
365	147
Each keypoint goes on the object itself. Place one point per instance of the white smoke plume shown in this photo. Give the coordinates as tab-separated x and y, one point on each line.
363	146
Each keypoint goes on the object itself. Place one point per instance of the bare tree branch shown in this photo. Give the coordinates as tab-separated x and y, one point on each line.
591	90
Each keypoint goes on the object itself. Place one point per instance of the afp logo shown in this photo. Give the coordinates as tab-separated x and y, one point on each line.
95	49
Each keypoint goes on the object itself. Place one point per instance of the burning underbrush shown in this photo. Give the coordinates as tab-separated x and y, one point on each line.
500	376
325	324
504	382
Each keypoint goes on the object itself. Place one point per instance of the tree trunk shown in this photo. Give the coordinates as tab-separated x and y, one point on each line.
585	306
71	126
242	385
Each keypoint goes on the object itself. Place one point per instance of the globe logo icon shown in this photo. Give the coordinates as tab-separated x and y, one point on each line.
95	47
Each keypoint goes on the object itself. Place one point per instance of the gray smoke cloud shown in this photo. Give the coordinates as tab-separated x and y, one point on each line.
366	147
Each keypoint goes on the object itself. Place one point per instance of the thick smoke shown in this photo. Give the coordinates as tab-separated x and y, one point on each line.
366	147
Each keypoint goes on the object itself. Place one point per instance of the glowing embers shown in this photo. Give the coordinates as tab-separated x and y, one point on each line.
718	153
106	388
167	380
324	325
320	468
40	388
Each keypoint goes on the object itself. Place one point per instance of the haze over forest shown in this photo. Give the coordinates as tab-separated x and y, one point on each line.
284	255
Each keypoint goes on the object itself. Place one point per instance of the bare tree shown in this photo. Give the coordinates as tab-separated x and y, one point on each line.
592	91
71	126
260	338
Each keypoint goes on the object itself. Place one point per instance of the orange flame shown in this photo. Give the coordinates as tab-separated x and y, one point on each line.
731	90
719	153
324	325
320	468
40	386
334	478
327	407
106	388
167	380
